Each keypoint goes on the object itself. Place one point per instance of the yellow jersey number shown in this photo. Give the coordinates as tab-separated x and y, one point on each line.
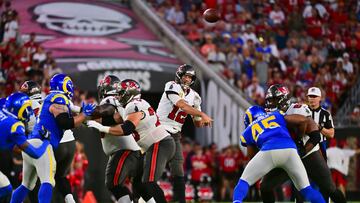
257	129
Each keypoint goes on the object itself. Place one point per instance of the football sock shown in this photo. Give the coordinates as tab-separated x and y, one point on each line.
45	193
312	195
19	194
240	191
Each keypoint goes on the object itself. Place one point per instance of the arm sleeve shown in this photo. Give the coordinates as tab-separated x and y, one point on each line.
197	101
36	152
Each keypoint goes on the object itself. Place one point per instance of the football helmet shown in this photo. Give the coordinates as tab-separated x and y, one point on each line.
182	70
277	98
32	89
18	106
253	113
127	90
63	84
108	86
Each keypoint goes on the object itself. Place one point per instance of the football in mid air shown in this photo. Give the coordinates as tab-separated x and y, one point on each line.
211	15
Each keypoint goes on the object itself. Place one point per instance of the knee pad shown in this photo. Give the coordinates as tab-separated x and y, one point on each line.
119	191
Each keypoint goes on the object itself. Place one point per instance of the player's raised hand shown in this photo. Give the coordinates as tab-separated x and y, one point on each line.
88	109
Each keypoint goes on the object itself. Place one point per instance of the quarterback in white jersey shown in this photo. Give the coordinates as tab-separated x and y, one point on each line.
154	140
178	101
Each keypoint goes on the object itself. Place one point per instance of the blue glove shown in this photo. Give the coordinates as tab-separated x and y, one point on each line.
88	109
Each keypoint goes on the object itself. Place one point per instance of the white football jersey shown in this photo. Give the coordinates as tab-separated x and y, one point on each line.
302	109
171	116
149	130
112	143
35	105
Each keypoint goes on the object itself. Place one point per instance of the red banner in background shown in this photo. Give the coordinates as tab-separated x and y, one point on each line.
92	37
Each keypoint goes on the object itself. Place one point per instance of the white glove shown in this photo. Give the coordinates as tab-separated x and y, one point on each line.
74	108
101	128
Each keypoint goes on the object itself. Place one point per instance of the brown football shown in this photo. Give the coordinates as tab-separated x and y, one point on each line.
211	15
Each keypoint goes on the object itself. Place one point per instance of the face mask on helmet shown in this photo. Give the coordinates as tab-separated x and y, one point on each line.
32	89
108	86
128	90
185	70
277	98
62	83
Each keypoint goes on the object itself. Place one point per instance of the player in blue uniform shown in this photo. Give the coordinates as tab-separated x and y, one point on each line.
268	132
54	117
15	110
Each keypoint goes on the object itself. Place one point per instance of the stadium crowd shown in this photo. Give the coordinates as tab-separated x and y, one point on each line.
260	43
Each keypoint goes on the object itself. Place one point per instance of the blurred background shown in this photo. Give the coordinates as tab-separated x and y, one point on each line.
255	44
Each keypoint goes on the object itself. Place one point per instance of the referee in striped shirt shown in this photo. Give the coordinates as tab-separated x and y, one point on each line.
321	116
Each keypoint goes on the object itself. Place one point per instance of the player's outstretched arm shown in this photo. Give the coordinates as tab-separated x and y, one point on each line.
205	119
34	152
127	128
65	121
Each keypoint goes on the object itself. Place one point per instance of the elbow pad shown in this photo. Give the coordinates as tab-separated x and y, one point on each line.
64	121
314	137
128	127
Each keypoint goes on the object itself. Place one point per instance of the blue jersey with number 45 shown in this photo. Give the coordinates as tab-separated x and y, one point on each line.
268	132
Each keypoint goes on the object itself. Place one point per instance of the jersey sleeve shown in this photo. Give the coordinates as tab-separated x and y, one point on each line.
60	99
172	87
132	107
197	101
244	138
18	133
300	109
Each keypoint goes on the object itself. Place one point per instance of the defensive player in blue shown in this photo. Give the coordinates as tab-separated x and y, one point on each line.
268	132
15	110
55	117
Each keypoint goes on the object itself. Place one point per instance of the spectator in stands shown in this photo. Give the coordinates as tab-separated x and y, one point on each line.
276	16
338	162
355	115
228	170
347	65
11	28
217	59
208	46
255	92
176	15
39	55
31	46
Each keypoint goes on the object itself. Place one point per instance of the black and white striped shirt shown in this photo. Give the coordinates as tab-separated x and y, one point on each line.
322	117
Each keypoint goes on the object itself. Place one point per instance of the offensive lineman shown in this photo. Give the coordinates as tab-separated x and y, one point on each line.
177	101
268	132
125	159
277	98
54	117
154	140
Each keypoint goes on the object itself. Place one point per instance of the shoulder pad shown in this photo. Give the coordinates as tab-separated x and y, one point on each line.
18	127
173	86
300	109
59	99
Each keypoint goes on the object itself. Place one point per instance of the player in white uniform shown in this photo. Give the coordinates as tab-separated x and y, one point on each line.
277	98
151	136
178	101
125	158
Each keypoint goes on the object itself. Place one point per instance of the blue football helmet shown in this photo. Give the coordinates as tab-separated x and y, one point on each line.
63	84
18	105
2	103
252	113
